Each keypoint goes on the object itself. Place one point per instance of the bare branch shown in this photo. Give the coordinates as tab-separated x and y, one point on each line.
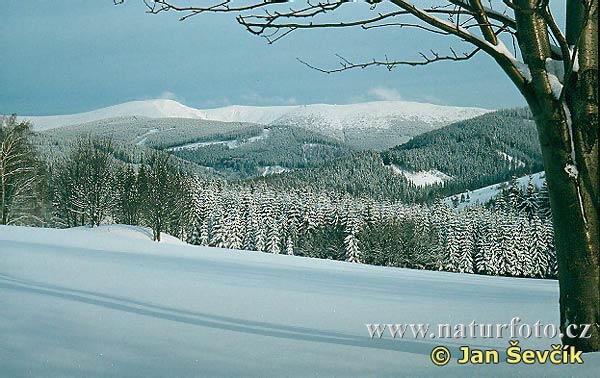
391	64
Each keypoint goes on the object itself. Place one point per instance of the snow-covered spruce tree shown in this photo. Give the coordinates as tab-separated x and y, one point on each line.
508	243
248	215
543	204
521	239
452	252
464	260
550	251
351	244
514	195
235	234
557	76
496	256
20	174
483	246
218	225
274	228
439	221
529	201
538	249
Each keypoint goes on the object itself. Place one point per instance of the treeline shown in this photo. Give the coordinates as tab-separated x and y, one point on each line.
89	185
512	241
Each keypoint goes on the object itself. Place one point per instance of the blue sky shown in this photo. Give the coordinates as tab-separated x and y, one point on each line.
71	56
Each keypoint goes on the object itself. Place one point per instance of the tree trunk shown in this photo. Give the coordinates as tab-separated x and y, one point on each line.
568	132
574	205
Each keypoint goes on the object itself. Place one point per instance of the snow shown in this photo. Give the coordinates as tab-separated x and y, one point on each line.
144	137
379	114
556	72
422	178
146	108
522	67
510	158
273	170
338	117
231	143
485	194
109	302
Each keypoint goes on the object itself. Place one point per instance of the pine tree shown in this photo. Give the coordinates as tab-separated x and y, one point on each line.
538	249
529	202
351	243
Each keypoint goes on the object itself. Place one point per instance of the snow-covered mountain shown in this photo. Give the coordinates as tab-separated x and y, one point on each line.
108	301
337	118
332	119
150	108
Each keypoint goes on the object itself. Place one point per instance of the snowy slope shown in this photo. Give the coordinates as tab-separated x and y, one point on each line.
379	114
383	114
485	194
109	302
149	108
422	178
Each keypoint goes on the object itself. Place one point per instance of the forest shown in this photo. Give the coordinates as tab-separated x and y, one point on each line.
90	183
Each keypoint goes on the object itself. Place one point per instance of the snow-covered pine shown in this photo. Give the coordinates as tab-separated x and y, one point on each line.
475	240
529	201
538	249
464	263
351	243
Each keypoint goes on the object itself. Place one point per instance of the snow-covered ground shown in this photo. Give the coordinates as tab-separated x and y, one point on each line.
422	178
510	159
273	170
485	194
379	114
230	143
109	302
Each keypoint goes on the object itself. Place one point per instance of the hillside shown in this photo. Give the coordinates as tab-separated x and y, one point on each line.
108	301
477	152
463	156
237	150
483	195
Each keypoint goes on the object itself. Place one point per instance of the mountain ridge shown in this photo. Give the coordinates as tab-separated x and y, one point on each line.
336	115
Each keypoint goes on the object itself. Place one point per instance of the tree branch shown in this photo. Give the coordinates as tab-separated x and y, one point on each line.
390	65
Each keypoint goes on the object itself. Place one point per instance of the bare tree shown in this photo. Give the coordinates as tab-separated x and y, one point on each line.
159	188
20	173
554	68
83	183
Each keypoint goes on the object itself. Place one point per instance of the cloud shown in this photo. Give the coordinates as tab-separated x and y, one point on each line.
385	94
168	95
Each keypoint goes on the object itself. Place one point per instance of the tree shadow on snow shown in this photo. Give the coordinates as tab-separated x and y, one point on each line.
225	323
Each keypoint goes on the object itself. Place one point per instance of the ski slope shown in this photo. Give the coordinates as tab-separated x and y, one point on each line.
109	302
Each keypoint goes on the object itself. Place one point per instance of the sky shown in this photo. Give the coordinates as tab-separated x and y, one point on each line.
61	57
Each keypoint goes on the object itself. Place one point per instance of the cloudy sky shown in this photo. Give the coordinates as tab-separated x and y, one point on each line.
71	56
